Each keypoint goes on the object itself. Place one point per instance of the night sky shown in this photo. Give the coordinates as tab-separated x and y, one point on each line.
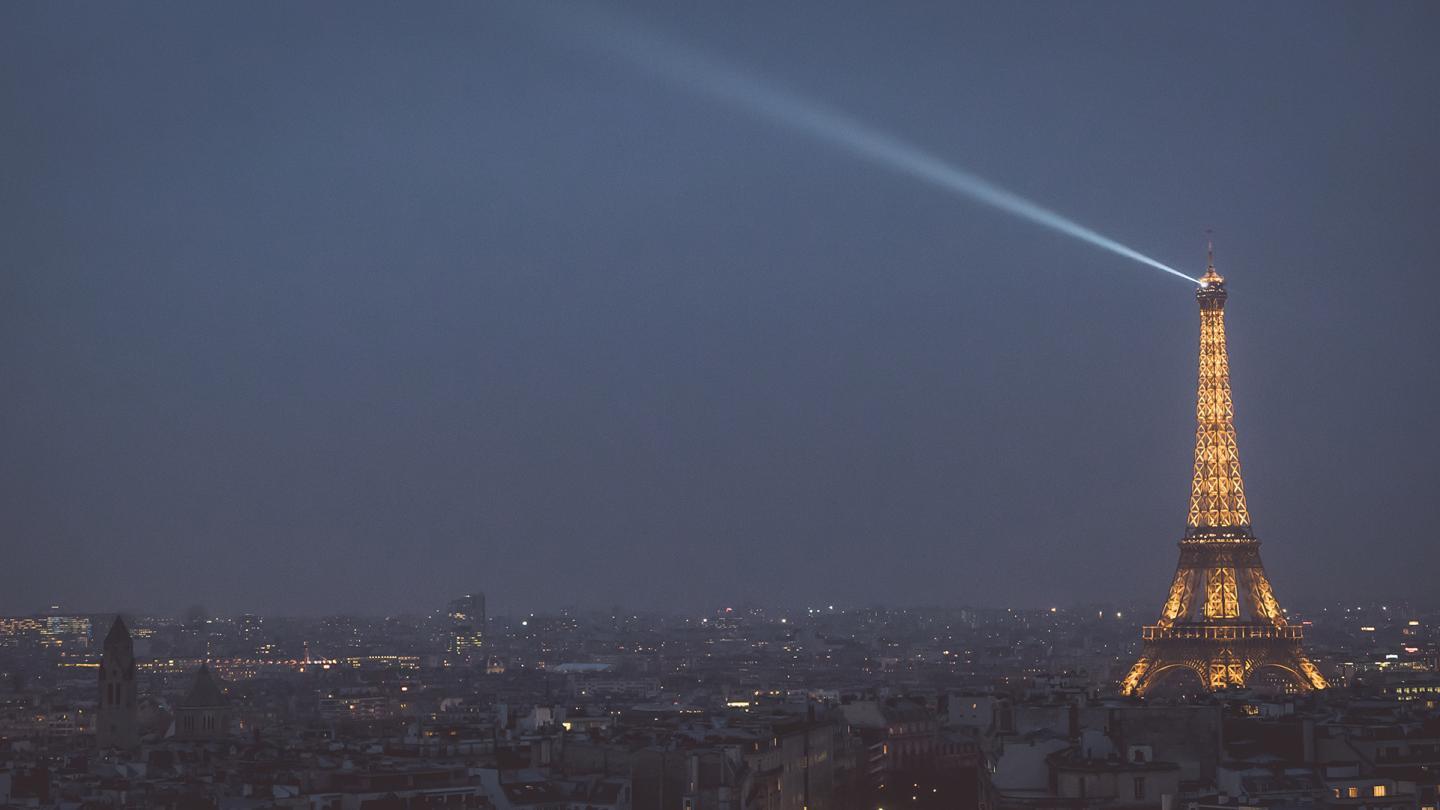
310	308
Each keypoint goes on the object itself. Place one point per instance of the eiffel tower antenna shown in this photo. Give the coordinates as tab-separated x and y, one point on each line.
1221	620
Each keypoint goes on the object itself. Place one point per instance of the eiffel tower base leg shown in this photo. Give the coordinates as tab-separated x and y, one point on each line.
1221	664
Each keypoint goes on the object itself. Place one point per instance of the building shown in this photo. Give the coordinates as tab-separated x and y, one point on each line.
204	714
467	626
1135	780
65	632
117	724
20	631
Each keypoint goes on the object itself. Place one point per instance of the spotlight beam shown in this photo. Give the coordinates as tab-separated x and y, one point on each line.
756	96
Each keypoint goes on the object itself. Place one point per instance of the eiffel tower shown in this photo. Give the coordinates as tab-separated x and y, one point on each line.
1221	620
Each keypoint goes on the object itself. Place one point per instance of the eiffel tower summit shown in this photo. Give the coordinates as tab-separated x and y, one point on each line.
1220	621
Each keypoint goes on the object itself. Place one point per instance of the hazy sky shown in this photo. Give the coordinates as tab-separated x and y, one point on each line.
312	307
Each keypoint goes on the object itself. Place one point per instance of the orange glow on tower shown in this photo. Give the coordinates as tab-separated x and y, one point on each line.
1221	620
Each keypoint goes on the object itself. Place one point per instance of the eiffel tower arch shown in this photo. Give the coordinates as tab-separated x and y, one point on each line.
1221	620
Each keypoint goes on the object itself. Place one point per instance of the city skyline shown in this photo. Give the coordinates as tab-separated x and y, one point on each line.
740	710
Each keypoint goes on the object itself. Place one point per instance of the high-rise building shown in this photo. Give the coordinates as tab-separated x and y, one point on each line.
21	631
1221	620
467	626
66	632
117	723
250	631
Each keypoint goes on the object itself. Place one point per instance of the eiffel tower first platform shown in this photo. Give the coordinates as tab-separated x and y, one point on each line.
1221	620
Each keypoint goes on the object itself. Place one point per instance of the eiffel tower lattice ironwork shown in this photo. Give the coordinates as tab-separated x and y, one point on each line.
1221	620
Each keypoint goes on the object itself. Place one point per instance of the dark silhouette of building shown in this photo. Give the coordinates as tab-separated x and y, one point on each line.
204	714
117	723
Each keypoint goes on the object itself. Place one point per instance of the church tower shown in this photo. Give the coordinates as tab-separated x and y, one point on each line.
204	714
117	723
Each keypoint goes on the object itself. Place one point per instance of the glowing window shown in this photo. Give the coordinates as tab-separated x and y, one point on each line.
1378	791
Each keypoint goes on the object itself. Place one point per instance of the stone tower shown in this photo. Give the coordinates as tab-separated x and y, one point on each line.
117	724
204	714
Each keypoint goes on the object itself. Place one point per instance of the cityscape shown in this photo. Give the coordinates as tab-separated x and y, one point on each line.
734	406
746	707
832	706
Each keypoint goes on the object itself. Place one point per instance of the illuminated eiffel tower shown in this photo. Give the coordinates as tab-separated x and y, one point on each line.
1221	620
